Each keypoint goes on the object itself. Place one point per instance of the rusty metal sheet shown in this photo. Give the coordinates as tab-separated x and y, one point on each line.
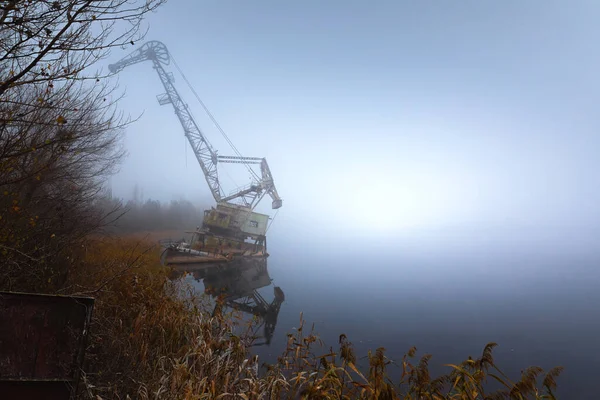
42	343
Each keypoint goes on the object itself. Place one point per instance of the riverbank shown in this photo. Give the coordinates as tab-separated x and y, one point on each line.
146	341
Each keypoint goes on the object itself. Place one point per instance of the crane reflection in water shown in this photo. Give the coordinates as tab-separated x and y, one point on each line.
236	286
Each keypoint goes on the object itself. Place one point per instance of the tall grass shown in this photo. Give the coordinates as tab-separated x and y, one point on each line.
153	338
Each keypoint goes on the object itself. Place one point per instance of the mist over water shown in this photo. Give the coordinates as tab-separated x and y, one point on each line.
447	297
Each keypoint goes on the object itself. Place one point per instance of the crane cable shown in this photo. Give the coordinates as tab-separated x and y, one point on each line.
272	219
212	118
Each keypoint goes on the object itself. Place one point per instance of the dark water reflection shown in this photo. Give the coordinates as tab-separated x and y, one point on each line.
540	307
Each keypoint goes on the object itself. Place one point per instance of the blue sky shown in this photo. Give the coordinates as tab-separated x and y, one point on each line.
382	116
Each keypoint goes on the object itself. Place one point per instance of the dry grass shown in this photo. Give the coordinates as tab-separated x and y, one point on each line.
335	376
151	338
154	339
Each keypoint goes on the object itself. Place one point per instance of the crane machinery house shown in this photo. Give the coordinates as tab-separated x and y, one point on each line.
235	222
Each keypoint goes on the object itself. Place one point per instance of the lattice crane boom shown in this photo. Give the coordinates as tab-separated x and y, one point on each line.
207	157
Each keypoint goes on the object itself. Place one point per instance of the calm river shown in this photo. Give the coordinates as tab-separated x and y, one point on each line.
538	301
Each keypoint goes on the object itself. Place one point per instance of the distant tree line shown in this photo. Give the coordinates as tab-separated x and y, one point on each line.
151	215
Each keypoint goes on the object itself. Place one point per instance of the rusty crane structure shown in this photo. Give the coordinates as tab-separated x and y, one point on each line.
234	217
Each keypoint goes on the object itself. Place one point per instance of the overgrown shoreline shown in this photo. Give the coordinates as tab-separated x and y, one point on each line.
146	342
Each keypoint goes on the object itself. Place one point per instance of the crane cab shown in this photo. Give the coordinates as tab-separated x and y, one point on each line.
230	220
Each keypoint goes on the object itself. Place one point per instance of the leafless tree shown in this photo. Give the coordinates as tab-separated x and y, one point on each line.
59	129
50	175
49	41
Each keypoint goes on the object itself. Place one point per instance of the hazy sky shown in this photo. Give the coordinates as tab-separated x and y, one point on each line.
381	116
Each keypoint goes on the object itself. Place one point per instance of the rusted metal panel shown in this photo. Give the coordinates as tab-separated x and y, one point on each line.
42	343
237	220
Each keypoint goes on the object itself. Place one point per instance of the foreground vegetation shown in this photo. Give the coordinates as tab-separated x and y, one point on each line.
153	338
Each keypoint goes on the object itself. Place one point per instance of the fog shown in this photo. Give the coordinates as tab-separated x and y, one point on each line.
382	118
445	149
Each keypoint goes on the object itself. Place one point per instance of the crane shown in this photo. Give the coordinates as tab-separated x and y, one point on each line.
234	216
237	288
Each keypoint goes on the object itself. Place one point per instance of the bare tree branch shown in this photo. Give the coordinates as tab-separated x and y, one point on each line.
60	131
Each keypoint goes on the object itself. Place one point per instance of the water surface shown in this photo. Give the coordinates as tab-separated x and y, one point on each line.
448	296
